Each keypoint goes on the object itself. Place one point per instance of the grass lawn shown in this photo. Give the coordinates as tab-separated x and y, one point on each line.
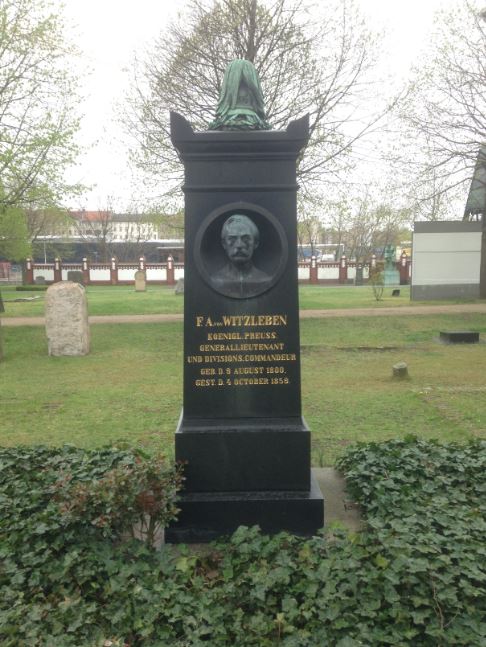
162	300
130	386
103	300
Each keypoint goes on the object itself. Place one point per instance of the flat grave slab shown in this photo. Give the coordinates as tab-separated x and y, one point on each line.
459	337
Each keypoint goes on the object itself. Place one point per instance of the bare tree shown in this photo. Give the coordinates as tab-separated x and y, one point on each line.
309	233
445	112
133	232
50	221
95	229
366	224
430	196
310	60
127	235
337	218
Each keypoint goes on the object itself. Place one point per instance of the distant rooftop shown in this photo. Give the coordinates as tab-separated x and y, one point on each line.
91	216
104	216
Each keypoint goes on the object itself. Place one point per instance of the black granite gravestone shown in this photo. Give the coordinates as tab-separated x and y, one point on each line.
241	433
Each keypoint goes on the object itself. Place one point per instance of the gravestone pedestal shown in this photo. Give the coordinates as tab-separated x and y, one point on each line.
391	277
246	472
241	433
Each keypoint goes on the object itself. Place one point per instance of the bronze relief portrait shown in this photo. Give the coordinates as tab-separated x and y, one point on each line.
242	253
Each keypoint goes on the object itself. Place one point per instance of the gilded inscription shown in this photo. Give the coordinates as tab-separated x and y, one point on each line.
241	321
250	357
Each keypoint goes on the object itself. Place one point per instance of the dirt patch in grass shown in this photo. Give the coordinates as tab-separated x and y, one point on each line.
368	349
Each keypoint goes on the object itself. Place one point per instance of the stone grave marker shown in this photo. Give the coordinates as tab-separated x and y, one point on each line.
40	280
241	433
179	288
459	337
400	370
140	281
76	276
67	325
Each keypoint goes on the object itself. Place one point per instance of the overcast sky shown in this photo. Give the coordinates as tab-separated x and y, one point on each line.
109	32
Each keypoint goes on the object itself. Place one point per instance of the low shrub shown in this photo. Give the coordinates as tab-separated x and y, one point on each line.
416	575
31	288
142	491
377	282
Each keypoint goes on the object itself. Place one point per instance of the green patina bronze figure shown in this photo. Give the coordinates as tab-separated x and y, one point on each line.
390	257
240	105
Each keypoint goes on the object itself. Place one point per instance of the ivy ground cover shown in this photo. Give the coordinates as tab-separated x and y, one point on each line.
415	575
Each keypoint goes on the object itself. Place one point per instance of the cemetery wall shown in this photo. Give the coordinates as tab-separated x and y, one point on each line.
115	273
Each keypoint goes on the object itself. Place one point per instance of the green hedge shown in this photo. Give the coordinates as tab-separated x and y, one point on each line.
31	288
415	576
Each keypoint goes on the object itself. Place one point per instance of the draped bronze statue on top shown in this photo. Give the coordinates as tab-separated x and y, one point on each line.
240	105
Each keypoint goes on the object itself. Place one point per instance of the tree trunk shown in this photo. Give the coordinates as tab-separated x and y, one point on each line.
251	46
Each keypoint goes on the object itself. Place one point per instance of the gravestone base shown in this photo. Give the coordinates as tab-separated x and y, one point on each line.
249	472
205	516
251	455
391	277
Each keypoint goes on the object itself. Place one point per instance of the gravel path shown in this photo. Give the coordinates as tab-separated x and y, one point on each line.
304	314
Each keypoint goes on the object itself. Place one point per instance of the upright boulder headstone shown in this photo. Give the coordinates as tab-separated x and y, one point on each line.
241	435
179	288
67	325
140	281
